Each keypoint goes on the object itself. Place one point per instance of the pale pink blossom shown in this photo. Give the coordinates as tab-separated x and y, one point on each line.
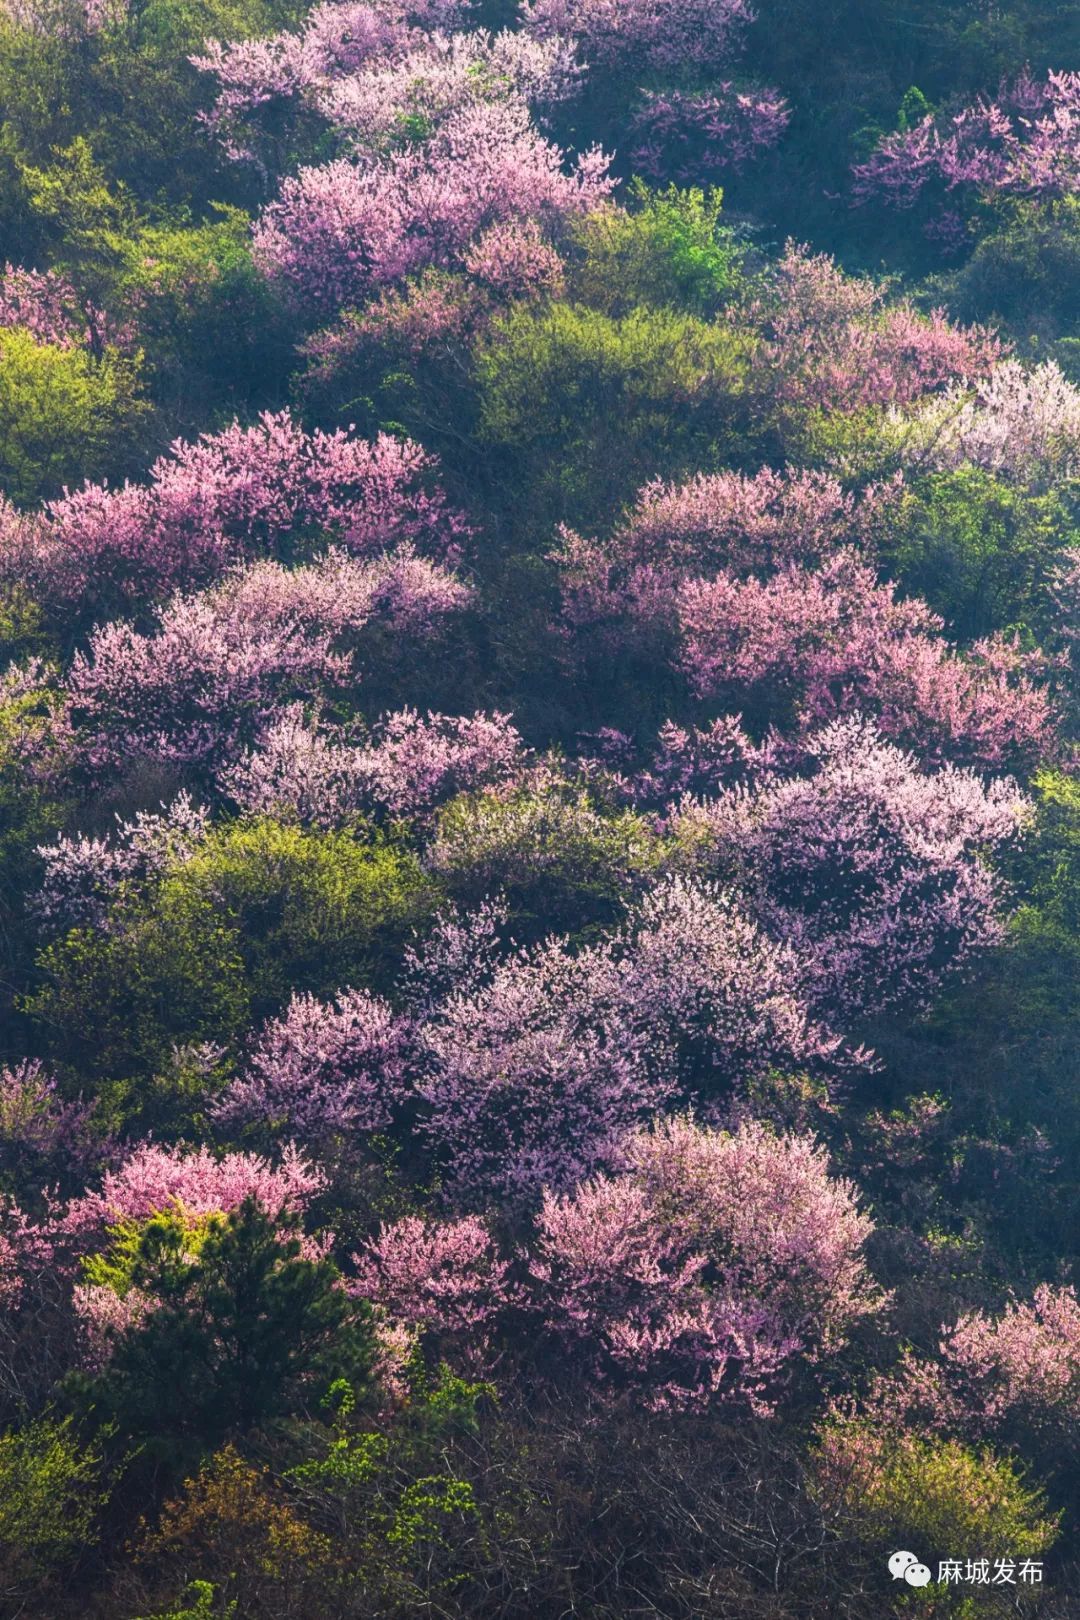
243	492
441	76
155	1179
1026	141
832	341
444	1278
1024	425
82	874
633	33
339	233
698	1272
322	1068
686	136
222	662
869	869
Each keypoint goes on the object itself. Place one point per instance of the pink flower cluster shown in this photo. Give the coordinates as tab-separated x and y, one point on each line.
440	309
321	1069
1024	1363
719	999
1025	141
697	1272
339	233
441	76
632	33
227	495
45	304
869	869
1015	1376
301	771
338	37
535	1075
157	1180
720	520
626	1297
831	342
687	136
66	19
82	874
26	1257
699	760
220	663
1021	424
35	1120
690	1274
415	760
525	1071
154	1179
751	589
832	641
445	1279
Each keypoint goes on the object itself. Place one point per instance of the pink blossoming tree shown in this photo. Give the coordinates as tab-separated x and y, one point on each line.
643	31
687	136
322	1069
868	868
833	342
339	233
244	492
83	874
45	304
1011	1378
696	1273
534	1077
1021	424
313	774
745	525
832	641
445	1279
221	662
755	591
154	1179
1024	141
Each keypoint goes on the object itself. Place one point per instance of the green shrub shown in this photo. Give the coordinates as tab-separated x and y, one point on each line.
243	1329
938	1496
114	1004
197	1603
311	910
130	92
1025	271
1038	999
561	863
669	250
50	1492
981	551
590	406
259	910
65	414
28	817
204	313
415	1526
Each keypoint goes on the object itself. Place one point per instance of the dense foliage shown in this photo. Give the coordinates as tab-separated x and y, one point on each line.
539	825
